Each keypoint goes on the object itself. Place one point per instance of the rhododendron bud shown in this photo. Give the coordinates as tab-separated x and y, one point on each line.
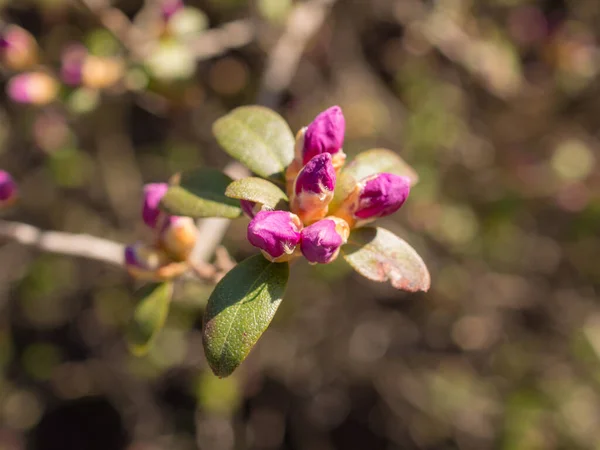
313	189
18	48
178	237
325	135
35	88
153	194
322	240
149	263
375	196
72	60
8	189
276	234
101	72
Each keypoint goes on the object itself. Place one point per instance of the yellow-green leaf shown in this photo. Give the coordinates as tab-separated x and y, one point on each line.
257	190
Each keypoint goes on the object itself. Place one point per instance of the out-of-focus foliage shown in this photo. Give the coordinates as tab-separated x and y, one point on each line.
495	104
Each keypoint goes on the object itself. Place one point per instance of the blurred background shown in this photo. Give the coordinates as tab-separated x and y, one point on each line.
496	103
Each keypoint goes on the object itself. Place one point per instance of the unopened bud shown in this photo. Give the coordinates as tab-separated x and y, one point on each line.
321	241
72	60
376	196
153	194
8	189
101	72
34	88
276	234
178	237
325	134
313	189
149	263
18	48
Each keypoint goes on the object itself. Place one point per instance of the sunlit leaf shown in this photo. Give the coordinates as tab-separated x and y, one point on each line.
258	137
380	255
239	311
149	316
257	190
201	193
367	163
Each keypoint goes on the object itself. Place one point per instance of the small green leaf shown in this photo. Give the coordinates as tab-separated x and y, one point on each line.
380	255
239	311
257	190
258	137
149	316
201	193
367	163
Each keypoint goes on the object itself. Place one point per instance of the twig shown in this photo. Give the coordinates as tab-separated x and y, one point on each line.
303	22
81	245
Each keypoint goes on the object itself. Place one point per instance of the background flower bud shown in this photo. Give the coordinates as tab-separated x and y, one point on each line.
313	188
276	233
146	262
178	237
101	72
18	48
322	240
325	134
72	60
35	88
153	193
382	195
8	188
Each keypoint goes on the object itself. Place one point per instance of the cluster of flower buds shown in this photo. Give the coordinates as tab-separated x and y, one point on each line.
175	237
8	189
310	228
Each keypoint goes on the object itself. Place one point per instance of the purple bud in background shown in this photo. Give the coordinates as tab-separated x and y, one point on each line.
248	208
34	88
18	48
72	60
317	176
276	233
321	242
153	194
325	134
169	7
130	256
8	188
382	195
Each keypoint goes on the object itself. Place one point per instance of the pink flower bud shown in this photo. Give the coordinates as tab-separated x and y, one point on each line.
322	240
178	237
382	195
73	59
8	189
35	88
276	233
313	188
18	48
325	134
153	194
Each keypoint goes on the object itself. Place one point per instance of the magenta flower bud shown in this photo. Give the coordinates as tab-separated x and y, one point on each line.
381	195
8	188
18	48
169	7
276	233
325	134
153	194
322	240
317	176
35	88
73	59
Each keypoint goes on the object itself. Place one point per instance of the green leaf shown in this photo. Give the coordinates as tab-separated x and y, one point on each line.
380	255
258	137
201	193
149	316
257	190
367	163
239	311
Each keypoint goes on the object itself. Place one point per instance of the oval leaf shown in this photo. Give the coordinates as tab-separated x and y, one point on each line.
257	190
201	193
367	163
239	311
149	316
258	137
380	255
